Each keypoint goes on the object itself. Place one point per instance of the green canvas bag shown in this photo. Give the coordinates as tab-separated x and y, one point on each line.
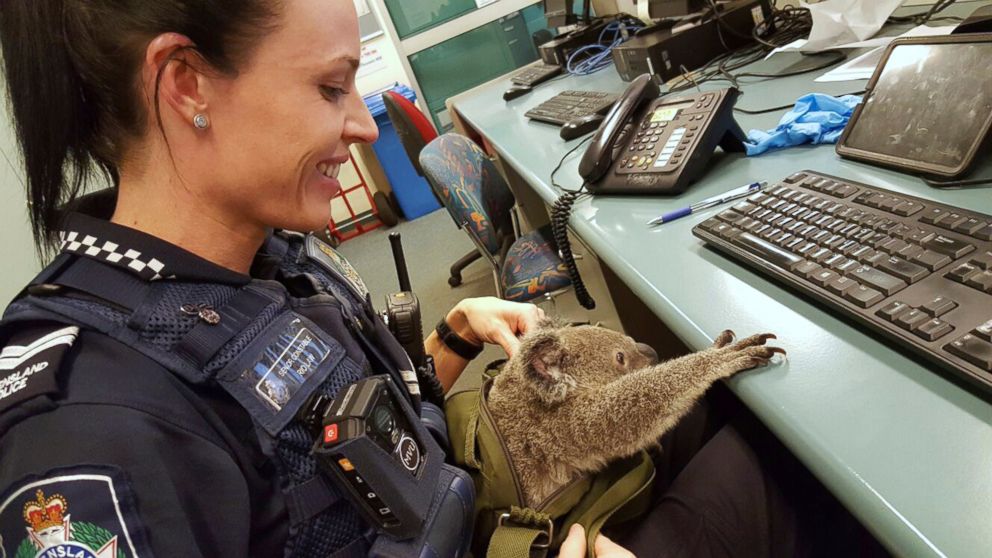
504	527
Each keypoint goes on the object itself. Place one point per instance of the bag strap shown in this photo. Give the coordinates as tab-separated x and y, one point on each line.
522	533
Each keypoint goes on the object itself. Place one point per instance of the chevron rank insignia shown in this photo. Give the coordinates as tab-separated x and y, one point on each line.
29	361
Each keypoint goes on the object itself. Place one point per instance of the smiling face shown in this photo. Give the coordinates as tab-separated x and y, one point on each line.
280	130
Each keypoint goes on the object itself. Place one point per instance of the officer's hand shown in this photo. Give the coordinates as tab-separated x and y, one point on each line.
574	546
493	320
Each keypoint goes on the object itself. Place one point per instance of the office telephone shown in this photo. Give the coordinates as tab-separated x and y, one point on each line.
652	145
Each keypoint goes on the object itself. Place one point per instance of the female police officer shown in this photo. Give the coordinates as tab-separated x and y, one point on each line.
153	373
217	121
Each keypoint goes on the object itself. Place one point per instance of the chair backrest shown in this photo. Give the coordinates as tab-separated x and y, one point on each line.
412	126
471	188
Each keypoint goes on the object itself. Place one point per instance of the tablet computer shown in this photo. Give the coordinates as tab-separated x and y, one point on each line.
927	108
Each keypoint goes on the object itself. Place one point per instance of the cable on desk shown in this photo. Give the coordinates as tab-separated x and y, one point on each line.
956	183
782	107
927	16
593	58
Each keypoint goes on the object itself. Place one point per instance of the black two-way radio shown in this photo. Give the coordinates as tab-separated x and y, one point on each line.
402	316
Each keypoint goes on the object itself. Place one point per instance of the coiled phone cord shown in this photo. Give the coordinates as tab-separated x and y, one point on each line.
560	212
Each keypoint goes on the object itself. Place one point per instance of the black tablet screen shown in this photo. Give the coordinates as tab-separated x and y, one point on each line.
930	104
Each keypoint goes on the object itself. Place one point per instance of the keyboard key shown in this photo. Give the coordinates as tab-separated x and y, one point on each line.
983	234
893	246
805	268
932	216
908	208
878	280
981	281
931	260
983	260
767	251
892	310
863	253
984	331
824	276
961	273
908	272
939	306
910	251
863	296
948	246
951	221
970	226
820	255
933	329
909	320
973	350
840	285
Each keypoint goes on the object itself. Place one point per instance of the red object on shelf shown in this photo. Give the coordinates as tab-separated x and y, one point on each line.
358	223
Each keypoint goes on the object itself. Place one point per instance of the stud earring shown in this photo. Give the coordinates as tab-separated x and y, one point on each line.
200	121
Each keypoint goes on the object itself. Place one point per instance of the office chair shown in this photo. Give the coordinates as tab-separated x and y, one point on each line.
415	131
478	198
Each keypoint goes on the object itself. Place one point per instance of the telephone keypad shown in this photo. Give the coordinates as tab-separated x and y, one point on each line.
671	150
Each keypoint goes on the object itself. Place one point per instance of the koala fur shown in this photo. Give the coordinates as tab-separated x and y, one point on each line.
573	399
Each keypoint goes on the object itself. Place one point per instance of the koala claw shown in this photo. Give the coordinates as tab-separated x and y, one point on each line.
725	338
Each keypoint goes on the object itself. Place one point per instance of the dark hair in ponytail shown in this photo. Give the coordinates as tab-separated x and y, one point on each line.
72	77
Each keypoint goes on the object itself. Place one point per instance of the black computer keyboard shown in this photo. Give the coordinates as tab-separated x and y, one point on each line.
572	104
533	75
917	271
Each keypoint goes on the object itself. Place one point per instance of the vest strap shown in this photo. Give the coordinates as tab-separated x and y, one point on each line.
308	499
204	340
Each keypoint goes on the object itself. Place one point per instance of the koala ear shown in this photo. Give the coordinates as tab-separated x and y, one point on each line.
544	359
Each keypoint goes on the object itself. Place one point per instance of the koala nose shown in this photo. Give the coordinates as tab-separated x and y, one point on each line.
648	352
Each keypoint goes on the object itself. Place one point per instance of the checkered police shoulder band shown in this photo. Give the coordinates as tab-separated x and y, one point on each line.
146	267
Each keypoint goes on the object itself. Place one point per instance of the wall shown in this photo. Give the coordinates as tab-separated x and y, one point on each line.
17	252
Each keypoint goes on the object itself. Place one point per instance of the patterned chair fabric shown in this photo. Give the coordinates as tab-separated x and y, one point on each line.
470	187
532	267
412	126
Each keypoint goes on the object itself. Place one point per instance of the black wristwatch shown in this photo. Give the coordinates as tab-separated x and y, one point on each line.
453	341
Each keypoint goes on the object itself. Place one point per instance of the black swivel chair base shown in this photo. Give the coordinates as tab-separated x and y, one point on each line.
458	266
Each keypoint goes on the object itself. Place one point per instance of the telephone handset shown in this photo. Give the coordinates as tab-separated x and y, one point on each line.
652	145
599	155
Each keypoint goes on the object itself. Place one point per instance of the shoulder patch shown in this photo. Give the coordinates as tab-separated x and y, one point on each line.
329	258
29	362
77	512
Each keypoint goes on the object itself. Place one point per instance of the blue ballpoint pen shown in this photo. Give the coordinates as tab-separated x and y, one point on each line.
725	197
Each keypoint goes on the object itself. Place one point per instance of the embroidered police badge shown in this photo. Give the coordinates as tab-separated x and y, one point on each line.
28	369
331	260
71	513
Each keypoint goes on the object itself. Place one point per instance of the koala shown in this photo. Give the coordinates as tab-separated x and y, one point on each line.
572	399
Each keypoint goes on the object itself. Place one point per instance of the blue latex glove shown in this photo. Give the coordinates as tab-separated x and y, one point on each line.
816	118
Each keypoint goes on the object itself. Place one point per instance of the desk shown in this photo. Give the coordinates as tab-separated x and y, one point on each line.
908	451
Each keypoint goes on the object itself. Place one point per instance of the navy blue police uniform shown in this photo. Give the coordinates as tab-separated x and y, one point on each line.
150	400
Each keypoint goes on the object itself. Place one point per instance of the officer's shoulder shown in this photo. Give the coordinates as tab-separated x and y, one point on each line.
32	353
73	365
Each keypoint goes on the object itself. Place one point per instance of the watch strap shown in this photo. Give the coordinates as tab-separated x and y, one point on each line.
455	342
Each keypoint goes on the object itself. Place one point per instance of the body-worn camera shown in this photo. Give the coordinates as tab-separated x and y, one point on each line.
372	441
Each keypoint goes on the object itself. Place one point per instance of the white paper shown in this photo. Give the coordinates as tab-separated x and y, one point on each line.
863	66
838	22
481	3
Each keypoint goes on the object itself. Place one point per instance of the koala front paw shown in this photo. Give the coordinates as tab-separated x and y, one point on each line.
743	355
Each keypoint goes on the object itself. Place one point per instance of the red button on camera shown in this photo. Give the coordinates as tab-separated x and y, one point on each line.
330	433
